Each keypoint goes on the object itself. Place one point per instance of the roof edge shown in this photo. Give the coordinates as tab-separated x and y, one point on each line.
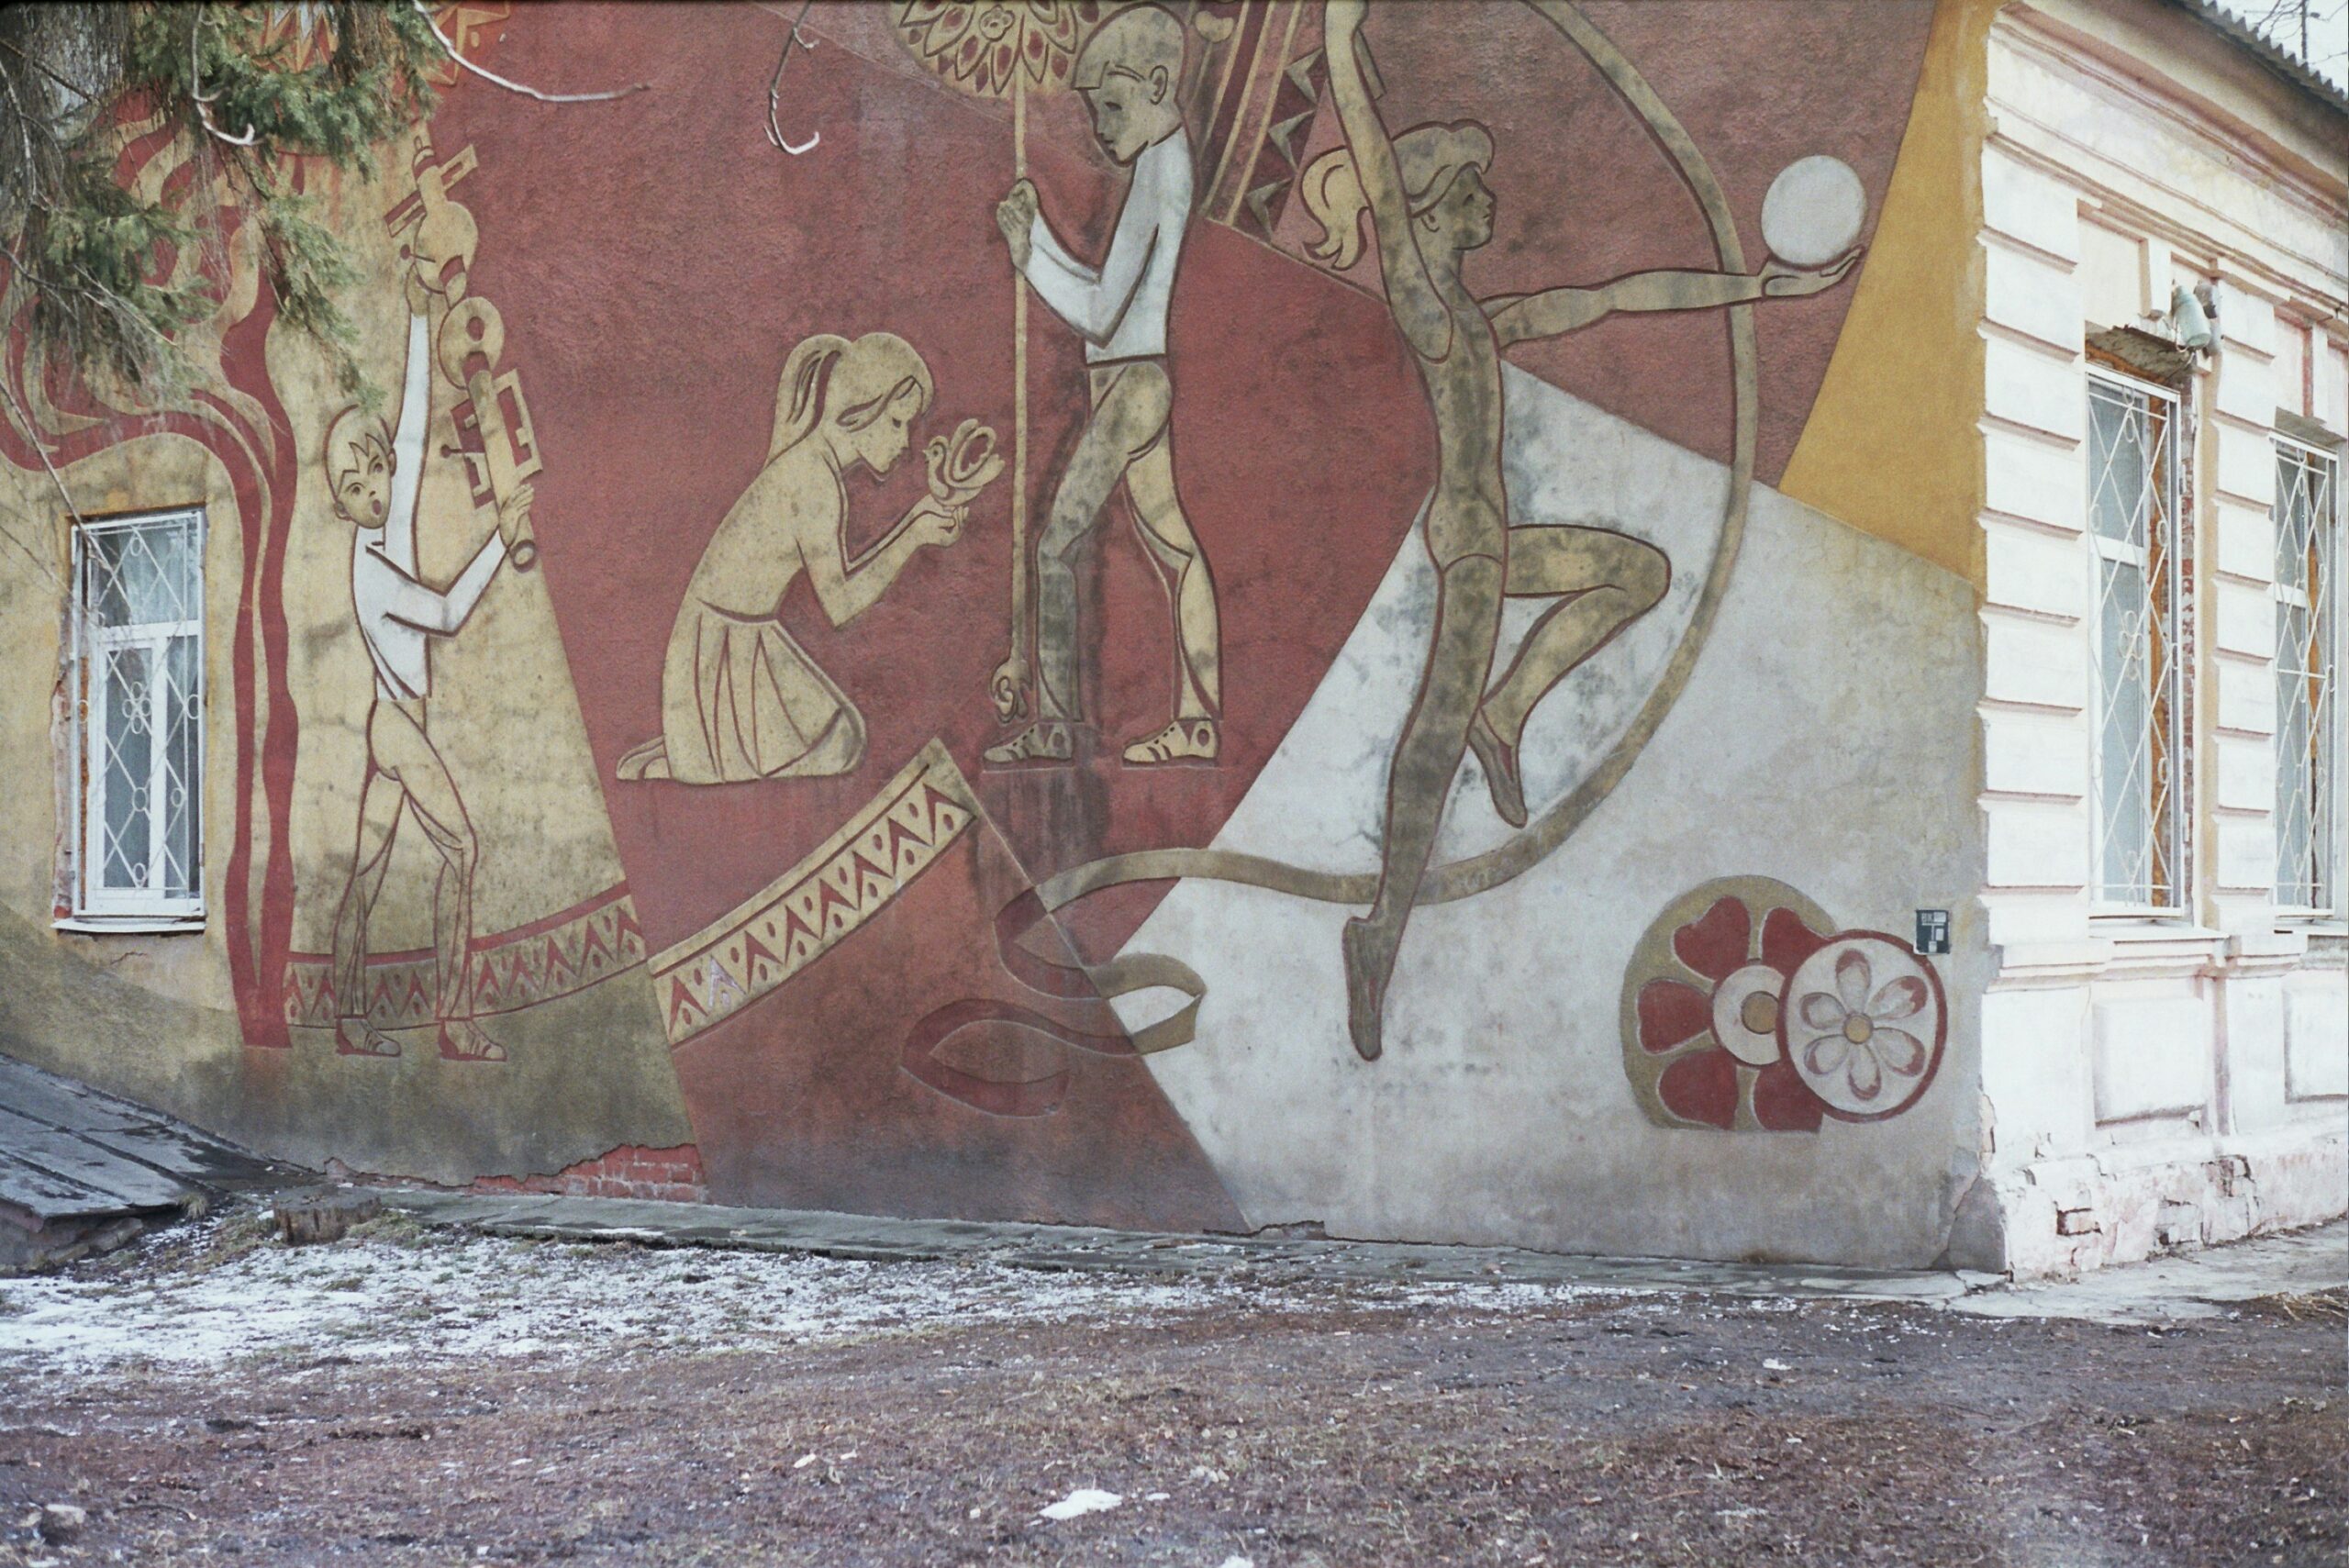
2270	56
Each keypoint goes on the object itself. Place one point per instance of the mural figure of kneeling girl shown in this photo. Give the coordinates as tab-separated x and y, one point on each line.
740	698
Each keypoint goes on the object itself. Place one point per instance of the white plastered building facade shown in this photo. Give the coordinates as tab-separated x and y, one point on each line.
2165	1035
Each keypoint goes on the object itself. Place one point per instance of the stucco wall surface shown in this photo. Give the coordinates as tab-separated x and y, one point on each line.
2152	1073
1831	753
928	668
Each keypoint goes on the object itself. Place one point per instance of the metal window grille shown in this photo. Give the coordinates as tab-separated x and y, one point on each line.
2132	538
139	681
2308	691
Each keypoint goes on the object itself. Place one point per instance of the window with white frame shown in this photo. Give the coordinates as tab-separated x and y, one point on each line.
2308	700
138	689
2133	535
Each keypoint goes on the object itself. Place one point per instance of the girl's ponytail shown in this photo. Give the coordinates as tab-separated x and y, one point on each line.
799	400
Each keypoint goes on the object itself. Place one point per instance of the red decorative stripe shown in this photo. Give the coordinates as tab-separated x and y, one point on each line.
562	954
485	943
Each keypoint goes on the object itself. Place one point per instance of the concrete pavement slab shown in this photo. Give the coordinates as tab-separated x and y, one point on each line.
2184	1286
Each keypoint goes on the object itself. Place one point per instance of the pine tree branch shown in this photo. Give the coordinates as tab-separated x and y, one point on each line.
80	92
32	434
92	251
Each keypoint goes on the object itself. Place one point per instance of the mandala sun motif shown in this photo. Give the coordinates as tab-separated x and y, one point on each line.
983	46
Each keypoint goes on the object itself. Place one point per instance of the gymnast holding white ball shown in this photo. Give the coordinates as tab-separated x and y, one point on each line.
1810	218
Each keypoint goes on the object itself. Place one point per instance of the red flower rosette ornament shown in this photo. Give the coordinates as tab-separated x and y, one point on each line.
1745	1010
1702	999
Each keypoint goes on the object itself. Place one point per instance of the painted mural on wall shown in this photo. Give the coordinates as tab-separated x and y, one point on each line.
740	699
669	726
1745	1009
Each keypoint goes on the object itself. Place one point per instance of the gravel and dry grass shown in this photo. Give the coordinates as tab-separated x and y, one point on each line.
412	1398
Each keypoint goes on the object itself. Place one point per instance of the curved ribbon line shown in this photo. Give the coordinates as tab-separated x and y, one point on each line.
1456	879
1095	985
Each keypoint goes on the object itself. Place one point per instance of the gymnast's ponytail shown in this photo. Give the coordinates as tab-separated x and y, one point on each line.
1428	158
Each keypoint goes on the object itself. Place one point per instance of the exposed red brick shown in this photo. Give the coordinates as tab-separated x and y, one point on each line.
629	1171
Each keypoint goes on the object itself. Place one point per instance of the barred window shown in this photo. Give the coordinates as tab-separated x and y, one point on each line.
2133	535
138	689
2308	689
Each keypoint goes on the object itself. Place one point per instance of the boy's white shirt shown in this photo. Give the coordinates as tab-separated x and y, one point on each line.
397	612
1120	309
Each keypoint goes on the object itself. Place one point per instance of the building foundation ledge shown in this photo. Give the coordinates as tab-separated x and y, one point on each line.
2268	952
2064	1214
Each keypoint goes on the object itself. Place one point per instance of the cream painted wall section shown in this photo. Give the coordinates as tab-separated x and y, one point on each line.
150	1017
149	474
502	712
2138	1071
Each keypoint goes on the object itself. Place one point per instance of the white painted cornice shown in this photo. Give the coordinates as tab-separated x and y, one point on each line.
2306	267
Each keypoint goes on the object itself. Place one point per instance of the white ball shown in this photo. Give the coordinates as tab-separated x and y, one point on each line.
1814	211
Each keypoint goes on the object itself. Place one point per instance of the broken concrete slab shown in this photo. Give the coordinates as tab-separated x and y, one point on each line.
2202	1283
1079	1249
324	1214
82	1172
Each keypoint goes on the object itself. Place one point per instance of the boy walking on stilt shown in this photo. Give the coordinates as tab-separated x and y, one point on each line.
1128	73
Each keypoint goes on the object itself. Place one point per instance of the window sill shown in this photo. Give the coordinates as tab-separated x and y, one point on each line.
2127	946
2134	926
131	925
2150	950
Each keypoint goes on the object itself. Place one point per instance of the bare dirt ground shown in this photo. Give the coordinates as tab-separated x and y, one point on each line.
404	1398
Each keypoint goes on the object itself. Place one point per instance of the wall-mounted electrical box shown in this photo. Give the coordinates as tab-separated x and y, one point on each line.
1933	930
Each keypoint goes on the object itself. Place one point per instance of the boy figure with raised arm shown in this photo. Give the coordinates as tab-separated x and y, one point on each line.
1129	73
375	479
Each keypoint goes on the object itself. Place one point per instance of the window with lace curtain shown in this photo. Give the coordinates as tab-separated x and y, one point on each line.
2132	539
2308	687
137	689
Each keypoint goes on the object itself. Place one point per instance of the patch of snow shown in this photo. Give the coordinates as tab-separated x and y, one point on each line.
1083	1500
452	1295
461	1296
